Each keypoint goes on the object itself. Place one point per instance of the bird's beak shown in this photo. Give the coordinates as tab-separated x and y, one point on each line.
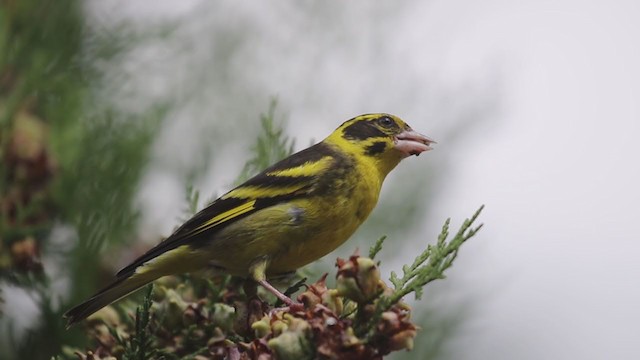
410	142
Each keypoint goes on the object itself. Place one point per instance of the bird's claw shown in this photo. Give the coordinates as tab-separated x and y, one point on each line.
290	308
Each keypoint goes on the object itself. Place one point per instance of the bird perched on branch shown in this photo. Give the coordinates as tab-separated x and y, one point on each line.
289	215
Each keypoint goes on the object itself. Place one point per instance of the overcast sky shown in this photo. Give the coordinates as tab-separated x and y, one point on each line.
548	92
560	178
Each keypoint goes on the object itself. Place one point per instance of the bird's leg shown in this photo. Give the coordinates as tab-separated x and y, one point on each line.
291	305
258	274
284	298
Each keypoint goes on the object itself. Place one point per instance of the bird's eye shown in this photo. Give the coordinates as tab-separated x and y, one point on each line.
385	121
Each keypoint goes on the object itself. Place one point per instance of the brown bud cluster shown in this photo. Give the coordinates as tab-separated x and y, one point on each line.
395	331
26	205
25	255
358	279
318	293
327	324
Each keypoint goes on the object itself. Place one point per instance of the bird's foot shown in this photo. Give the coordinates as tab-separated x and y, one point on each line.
290	308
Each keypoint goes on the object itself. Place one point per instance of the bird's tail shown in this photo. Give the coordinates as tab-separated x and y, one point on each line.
121	287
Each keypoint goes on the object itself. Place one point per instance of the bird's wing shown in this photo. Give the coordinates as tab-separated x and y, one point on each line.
294	177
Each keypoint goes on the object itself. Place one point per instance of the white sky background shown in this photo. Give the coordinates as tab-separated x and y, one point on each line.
556	269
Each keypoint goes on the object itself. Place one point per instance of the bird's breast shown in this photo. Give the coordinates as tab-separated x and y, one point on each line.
322	223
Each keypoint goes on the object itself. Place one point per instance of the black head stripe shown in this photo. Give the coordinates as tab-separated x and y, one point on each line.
361	130
375	148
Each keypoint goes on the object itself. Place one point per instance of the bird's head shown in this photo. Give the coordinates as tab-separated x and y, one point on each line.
381	139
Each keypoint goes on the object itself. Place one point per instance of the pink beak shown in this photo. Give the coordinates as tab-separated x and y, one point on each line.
410	143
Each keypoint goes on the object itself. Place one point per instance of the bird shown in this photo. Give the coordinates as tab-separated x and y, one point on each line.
287	216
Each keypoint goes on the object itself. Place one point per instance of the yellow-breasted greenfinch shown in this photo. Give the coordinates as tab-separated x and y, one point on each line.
289	215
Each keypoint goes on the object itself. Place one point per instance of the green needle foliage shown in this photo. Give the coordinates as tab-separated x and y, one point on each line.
192	197
141	343
430	265
271	145
375	249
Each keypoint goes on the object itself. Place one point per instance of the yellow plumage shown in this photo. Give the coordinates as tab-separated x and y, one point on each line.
291	214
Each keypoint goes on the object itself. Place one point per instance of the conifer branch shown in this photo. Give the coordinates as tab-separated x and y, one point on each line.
375	249
430	265
272	145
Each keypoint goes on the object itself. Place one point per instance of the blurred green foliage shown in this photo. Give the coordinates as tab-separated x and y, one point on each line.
67	162
272	145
